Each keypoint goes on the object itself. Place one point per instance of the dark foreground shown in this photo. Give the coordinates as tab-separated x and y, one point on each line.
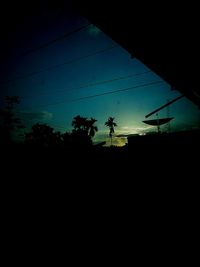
149	184
154	154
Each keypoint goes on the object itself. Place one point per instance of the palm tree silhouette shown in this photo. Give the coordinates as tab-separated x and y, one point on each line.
84	130
92	129
111	124
79	123
82	124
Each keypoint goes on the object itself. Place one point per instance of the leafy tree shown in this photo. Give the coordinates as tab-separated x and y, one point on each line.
79	123
111	124
84	130
42	135
66	139
8	120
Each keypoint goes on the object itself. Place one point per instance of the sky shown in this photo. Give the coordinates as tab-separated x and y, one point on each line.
84	73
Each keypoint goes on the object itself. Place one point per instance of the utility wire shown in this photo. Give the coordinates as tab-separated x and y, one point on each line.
59	65
165	105
55	40
91	84
101	94
116	91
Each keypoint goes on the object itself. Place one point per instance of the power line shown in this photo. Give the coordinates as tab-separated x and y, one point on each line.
92	84
165	105
59	65
101	94
55	40
117	91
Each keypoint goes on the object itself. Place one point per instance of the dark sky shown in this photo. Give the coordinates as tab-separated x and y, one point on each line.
59	76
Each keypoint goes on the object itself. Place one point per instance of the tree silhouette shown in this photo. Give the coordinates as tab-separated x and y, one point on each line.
43	135
84	130
8	121
66	140
92	129
111	124
79	123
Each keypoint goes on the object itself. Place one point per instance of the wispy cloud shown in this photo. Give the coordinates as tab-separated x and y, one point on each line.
120	141
29	118
121	134
117	141
126	130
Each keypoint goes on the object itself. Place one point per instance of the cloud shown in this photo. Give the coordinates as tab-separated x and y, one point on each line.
33	117
47	115
122	135
125	128
93	30
125	131
117	141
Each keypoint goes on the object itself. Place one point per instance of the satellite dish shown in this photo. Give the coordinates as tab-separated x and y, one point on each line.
157	122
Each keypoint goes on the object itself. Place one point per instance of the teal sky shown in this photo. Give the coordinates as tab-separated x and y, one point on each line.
77	67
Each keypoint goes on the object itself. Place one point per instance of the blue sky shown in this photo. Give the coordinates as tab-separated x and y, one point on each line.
51	96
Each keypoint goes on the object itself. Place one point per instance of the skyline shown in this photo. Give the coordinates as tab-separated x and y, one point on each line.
74	75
